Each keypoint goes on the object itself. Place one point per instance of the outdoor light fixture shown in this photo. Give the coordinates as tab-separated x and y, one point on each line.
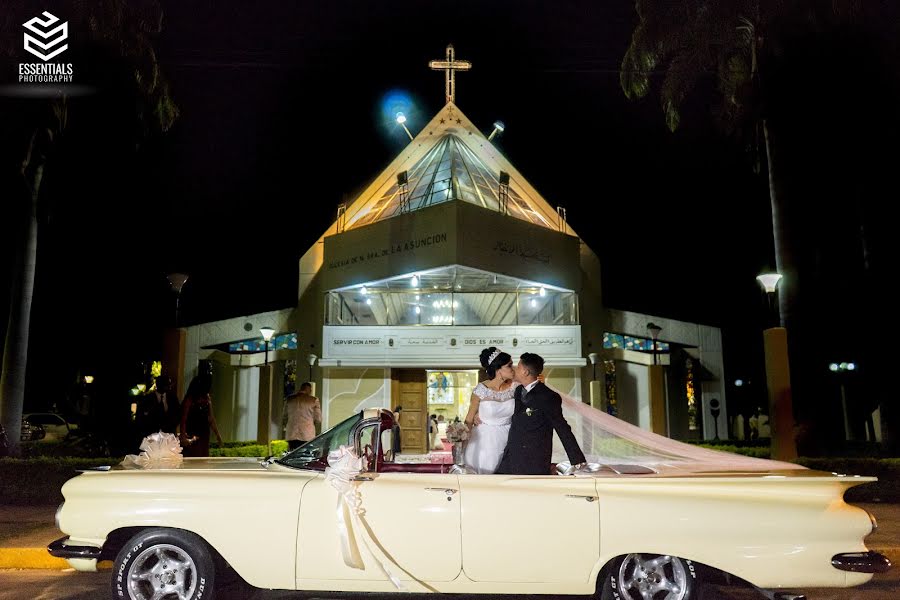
414	281
401	120
543	291
89	379
593	356
402	178
833	367
654	330
267	333
311	359
369	301
504	178
177	281
738	382
499	127
364	290
770	283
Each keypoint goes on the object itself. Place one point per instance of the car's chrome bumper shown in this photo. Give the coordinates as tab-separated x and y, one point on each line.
861	562
60	550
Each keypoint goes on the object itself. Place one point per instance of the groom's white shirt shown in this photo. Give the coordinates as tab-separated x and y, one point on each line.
531	385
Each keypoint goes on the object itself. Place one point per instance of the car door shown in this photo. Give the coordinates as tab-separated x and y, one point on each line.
529	528
414	517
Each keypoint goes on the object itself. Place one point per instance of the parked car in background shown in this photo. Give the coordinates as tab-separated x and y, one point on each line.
55	426
31	432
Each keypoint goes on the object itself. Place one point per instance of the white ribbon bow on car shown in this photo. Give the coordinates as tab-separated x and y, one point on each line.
343	466
158	450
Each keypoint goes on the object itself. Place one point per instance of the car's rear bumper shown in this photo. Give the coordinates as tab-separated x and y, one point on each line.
861	562
61	550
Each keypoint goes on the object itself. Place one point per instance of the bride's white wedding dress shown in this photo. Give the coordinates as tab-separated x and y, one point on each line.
488	440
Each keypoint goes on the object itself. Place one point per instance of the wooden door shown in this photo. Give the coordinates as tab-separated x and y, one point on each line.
408	391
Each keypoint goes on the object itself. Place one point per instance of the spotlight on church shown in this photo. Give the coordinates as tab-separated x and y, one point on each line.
499	127
401	118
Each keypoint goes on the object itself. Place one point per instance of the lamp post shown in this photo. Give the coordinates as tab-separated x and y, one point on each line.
656	386
177	281
654	330
770	282
311	359
778	376
596	395
267	333
714	410
841	370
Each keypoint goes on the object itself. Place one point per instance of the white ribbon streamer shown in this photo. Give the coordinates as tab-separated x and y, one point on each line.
343	466
159	450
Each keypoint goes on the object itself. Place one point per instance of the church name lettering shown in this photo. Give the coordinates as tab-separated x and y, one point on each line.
525	252
394	248
368	342
560	341
483	341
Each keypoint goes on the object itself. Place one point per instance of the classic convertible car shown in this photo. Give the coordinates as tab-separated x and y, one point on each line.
617	531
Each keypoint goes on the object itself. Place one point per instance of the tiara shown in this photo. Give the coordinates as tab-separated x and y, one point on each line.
494	355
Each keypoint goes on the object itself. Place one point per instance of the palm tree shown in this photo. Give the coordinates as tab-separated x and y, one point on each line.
742	47
118	28
732	42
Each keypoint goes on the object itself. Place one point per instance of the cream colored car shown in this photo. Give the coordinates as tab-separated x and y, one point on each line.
617	532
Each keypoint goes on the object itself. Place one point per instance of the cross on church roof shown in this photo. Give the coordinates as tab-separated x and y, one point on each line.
450	66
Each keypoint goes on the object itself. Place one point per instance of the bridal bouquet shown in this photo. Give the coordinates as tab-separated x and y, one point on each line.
457	432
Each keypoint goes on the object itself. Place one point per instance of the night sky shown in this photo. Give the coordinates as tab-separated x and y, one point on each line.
281	121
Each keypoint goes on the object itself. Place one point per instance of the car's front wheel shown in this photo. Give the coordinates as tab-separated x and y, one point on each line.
650	577
163	564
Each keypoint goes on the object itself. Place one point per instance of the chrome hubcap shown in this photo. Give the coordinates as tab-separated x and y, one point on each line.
647	577
162	572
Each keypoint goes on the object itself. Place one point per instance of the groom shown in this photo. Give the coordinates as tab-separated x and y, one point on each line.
538	412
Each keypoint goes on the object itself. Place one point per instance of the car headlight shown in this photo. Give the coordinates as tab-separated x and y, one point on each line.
59	511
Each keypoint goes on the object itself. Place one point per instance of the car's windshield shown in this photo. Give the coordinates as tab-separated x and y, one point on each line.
314	454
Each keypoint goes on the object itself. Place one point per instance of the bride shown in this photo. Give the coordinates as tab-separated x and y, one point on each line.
493	406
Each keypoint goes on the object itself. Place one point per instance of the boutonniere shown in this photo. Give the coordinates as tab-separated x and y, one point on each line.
529	411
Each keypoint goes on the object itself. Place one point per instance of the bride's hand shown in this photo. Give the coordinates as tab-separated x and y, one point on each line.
477	420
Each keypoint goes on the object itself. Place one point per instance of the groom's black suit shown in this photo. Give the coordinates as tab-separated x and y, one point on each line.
530	442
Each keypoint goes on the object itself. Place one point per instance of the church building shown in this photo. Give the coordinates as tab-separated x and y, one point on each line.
448	251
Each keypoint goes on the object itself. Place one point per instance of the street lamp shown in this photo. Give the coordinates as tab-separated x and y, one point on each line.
714	410
311	359
177	281
841	370
778	376
770	283
267	333
654	330
593	356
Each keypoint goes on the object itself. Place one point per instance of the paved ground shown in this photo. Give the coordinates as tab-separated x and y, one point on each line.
32	527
